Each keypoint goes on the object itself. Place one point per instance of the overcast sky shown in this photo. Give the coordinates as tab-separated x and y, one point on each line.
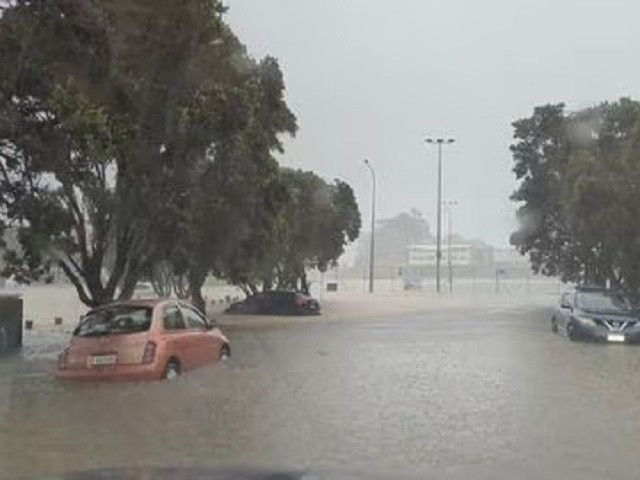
373	78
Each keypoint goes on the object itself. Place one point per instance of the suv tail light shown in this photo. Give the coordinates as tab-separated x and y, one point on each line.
149	354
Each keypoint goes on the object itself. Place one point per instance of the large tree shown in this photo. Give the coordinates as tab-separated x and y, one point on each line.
234	189
579	175
107	111
306	224
317	223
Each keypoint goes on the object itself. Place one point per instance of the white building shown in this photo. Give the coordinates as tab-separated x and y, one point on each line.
425	255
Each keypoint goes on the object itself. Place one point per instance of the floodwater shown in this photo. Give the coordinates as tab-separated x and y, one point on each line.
454	393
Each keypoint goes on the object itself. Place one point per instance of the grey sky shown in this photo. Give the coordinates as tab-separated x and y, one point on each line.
373	78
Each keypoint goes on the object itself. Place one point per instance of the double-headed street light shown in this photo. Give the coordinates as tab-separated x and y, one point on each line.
373	225
440	142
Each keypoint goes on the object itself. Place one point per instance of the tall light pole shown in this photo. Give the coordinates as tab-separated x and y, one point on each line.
440	142
450	205
373	225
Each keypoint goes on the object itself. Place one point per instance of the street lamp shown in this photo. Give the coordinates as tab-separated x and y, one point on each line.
449	205
440	142
373	224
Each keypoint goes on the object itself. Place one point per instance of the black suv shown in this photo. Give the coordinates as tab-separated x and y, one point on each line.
599	314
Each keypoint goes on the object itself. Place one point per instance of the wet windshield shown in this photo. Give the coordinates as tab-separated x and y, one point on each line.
354	220
602	301
117	320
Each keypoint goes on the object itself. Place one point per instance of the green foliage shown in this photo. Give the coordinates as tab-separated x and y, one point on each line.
305	224
105	117
233	191
137	140
579	175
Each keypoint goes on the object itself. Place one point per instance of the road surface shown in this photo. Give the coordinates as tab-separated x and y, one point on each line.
469	392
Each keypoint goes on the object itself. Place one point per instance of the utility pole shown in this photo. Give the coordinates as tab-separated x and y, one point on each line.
450	205
439	142
373	226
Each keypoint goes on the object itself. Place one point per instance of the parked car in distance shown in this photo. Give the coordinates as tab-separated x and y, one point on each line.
276	303
598	314
141	340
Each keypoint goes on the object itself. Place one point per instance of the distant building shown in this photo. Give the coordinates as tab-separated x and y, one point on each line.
425	255
467	259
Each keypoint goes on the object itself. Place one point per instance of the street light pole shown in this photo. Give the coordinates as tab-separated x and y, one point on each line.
440	142
450	206
373	225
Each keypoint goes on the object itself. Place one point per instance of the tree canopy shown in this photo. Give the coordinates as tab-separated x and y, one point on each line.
579	195
310	230
136	138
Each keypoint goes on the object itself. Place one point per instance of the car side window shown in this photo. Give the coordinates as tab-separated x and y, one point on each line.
565	300
172	318
193	318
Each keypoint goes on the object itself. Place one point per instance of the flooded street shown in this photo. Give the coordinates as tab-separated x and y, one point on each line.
462	392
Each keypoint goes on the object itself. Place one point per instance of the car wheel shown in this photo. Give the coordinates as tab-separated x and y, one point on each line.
571	332
172	370
225	352
554	325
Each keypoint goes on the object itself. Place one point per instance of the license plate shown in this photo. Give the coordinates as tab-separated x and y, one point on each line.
100	360
615	338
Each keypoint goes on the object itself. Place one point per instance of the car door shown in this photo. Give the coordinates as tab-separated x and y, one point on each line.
289	303
284	303
206	346
177	335
254	304
264	303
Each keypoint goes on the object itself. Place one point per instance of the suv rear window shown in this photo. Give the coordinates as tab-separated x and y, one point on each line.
114	321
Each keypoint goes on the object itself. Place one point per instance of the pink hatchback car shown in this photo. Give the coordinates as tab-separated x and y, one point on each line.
141	340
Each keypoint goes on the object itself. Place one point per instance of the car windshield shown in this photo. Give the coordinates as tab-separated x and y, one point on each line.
382	202
602	301
116	320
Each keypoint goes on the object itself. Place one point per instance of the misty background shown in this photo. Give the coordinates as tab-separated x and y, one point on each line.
373	78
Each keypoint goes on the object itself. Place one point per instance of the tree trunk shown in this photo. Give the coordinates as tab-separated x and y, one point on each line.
129	287
267	284
77	283
303	283
181	287
196	280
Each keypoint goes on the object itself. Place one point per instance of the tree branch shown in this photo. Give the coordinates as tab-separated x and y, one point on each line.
77	283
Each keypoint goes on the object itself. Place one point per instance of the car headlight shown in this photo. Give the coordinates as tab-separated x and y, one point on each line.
589	322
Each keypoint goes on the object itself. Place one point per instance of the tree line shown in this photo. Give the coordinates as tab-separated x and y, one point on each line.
138	141
579	193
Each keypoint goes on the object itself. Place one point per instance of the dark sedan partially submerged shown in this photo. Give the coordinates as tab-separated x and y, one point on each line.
276	303
596	314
